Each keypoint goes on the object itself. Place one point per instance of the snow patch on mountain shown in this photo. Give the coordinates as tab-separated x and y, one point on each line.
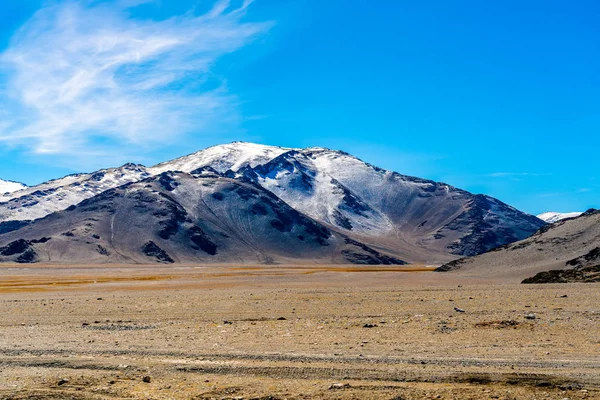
10	187
552	217
59	194
300	180
232	156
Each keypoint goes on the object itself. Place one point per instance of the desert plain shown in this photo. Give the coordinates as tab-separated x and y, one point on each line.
292	332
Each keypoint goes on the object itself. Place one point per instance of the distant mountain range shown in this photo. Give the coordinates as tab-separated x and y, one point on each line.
250	203
552	217
570	244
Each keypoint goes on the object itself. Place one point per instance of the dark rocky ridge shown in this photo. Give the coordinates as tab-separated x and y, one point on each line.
22	251
151	249
577	275
593	256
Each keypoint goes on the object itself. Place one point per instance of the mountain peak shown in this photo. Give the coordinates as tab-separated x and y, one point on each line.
223	157
234	156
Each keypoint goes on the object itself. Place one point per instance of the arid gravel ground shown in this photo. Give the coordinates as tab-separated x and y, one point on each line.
293	332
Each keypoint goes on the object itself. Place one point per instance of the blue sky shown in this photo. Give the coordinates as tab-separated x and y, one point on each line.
500	98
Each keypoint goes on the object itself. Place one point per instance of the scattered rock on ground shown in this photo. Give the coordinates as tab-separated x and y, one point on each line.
337	386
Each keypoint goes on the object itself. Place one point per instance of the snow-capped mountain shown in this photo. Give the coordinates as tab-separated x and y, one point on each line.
411	218
383	208
552	217
56	195
10	186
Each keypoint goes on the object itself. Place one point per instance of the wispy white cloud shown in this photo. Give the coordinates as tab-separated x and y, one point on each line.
83	77
515	174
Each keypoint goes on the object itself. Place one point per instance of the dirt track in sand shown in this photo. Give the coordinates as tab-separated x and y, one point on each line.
292	332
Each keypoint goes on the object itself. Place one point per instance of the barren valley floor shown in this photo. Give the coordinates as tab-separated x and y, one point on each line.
292	332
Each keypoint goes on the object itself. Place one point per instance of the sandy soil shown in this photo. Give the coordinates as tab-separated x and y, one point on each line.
292	332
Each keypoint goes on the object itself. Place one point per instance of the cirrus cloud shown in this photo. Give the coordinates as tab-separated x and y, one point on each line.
515	174
82	76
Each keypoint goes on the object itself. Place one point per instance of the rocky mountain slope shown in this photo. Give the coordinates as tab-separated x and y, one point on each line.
418	219
570	244
410	218
181	218
56	195
552	217
10	187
